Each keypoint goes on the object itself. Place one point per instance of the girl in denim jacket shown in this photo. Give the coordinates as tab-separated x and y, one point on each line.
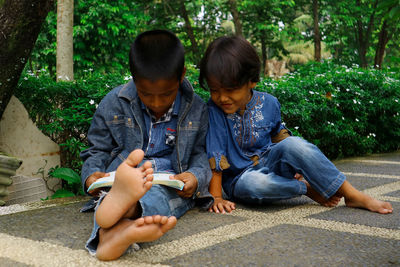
253	157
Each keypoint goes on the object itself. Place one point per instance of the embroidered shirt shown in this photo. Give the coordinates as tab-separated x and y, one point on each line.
236	138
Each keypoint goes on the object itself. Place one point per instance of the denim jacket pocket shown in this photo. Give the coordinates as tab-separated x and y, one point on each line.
189	132
119	126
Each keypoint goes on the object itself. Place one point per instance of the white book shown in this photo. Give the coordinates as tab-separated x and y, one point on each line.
159	178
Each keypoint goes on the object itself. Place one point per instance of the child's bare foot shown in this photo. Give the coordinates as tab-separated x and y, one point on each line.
128	187
113	242
356	199
314	195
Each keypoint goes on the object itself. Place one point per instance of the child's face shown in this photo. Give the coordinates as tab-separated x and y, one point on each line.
157	96
231	100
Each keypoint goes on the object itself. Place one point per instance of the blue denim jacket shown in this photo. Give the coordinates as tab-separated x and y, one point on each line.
118	128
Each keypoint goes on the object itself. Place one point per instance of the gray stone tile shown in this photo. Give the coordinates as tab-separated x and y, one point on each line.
363	167
62	225
395	156
291	245
277	205
8	262
394	194
193	222
363	217
362	183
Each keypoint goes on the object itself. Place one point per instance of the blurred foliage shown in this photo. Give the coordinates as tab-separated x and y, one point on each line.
345	111
104	30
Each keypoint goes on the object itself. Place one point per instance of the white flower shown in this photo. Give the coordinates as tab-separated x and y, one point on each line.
91	102
127	78
82	135
296	127
354	101
357	120
396	100
311	92
371	102
97	105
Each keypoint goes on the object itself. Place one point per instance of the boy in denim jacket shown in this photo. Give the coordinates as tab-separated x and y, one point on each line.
158	116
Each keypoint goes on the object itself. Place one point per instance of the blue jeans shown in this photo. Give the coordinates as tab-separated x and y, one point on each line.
159	200
273	178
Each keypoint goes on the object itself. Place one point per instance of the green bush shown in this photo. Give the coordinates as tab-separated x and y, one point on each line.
64	110
345	111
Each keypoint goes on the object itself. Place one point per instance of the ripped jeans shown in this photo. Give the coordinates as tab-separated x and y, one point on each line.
159	200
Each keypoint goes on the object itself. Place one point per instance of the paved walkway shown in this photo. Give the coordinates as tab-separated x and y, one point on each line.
297	232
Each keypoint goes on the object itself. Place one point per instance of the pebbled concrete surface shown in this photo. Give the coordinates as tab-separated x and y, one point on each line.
294	232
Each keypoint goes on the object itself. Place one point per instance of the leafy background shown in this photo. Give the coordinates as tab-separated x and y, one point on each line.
344	109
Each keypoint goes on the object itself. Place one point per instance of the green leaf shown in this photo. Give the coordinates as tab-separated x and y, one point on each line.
62	193
67	174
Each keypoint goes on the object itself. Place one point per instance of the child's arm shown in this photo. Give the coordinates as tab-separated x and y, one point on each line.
215	188
283	134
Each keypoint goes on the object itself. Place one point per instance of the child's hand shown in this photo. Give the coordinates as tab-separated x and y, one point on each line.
190	184
92	178
220	205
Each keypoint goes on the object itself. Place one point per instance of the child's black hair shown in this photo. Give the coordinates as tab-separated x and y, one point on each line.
231	61
155	55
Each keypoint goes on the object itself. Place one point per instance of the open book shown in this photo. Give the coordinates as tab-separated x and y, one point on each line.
159	178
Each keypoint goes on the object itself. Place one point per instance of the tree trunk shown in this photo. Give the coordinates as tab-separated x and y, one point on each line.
317	36
20	23
263	49
362	51
236	17
380	49
65	25
189	29
363	40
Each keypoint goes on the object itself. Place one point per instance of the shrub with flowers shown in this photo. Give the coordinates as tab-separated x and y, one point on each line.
345	111
64	110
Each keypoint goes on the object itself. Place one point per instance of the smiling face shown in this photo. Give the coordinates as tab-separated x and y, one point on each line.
231	100
157	96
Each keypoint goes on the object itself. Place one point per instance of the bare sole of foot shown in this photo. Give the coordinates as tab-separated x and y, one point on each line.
128	187
113	242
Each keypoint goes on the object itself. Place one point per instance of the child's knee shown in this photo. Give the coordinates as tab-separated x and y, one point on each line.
295	146
256	183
